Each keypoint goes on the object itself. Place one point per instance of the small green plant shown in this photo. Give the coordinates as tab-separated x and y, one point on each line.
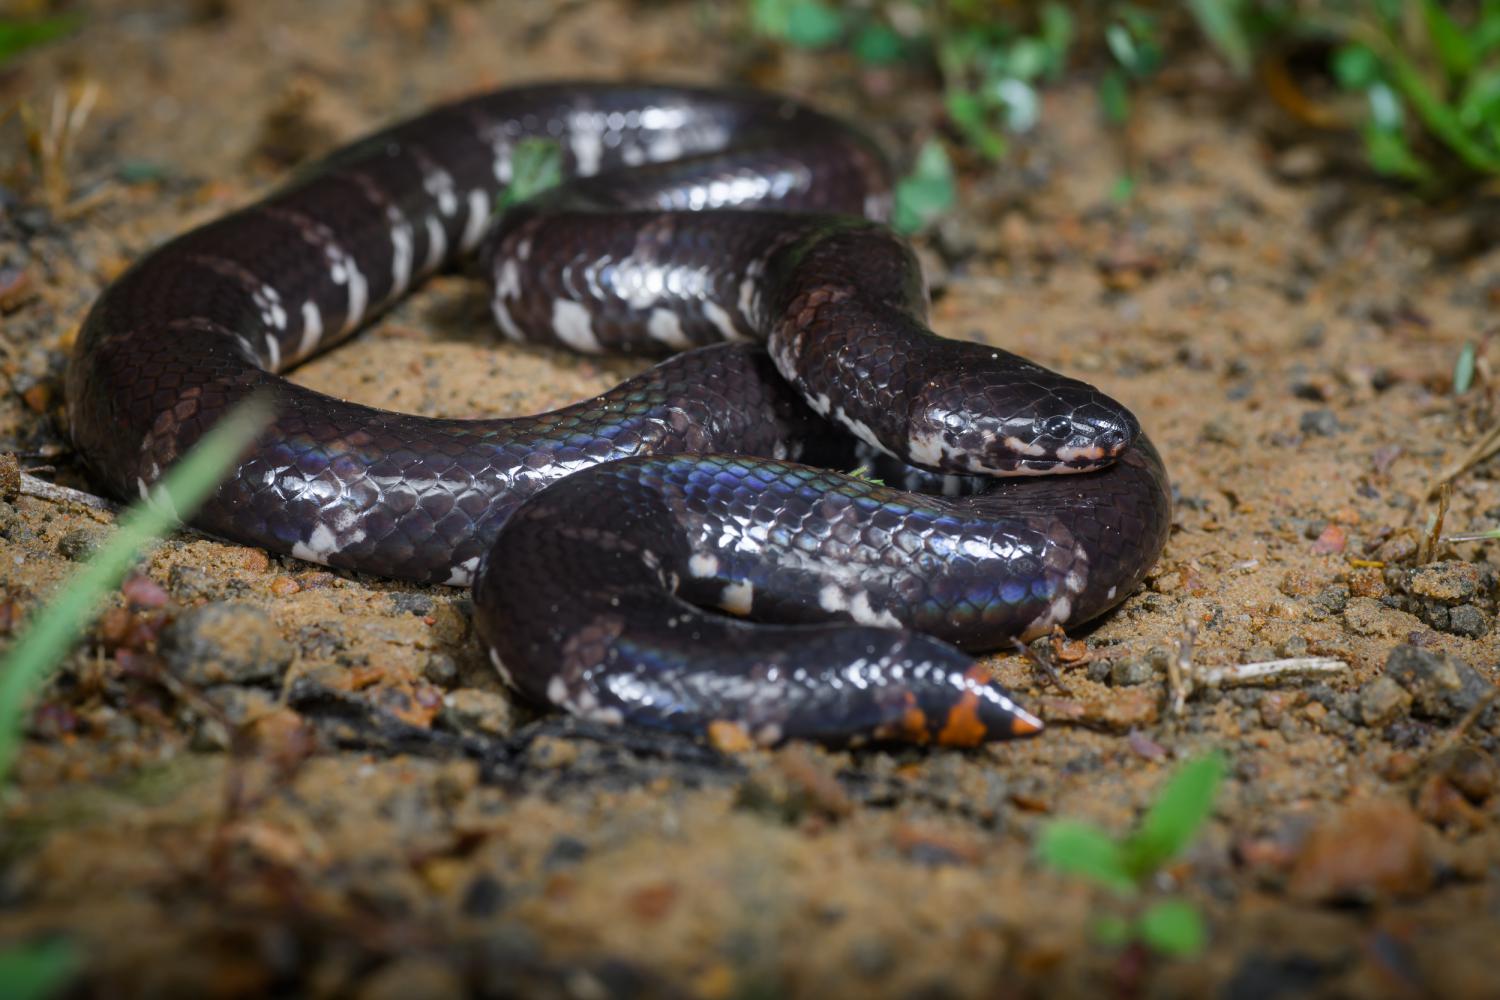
42	646
991	65
37	971
1172	927
535	166
18	35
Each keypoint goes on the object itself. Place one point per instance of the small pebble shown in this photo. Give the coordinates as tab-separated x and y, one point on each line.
78	544
1472	771
475	710
1130	670
1381	701
225	644
1468	620
1442	687
1363	852
1319	422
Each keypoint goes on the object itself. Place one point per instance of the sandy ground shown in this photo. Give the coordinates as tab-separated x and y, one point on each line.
259	775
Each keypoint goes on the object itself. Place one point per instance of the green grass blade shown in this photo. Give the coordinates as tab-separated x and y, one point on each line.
1223	23
1171	823
59	623
17	36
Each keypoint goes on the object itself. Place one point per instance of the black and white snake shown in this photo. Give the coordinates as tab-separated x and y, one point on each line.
595	536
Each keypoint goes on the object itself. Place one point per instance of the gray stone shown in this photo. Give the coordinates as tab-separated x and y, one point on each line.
225	644
1442	687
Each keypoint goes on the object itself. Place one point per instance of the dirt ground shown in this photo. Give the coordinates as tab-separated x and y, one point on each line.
258	775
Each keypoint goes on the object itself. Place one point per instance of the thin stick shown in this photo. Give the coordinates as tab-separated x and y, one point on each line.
31	486
1430	540
1254	673
1180	667
1481	450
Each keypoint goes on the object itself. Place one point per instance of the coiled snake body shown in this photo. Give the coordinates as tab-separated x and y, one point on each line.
802	327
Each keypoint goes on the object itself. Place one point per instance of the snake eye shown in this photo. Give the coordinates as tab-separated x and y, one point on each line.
1057	427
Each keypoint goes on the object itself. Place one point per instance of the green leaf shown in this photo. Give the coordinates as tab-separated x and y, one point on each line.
1453	46
1122	190
812	25
1174	927
1083	849
1172	822
878	45
1223	23
1463	368
1441	120
1112	930
535	166
17	36
1122	46
37	971
56	627
1114	97
1390	155
1355	67
926	193
1027	58
769	17
968	112
1057	36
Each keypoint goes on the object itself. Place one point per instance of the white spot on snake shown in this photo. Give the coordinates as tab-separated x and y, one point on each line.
861	611
1093	453
462	575
878	207
586	140
437	243
312	329
736	598
1020	447
831	598
1074	581
319	546
703	565
268	301
927	448
664	326
501	669
273	353
502	319
523	249
479	214
508	281
573	326
342	270
1111	595
721	321
401	253
557	691
665	146
439	184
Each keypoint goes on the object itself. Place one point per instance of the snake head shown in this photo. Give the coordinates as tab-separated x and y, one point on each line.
1089	436
1005	416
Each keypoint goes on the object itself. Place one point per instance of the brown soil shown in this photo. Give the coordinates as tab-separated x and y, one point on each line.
355	805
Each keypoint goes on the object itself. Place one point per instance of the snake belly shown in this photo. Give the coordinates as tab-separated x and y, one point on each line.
735	228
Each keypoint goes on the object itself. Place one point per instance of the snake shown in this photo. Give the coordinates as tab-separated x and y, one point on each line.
681	552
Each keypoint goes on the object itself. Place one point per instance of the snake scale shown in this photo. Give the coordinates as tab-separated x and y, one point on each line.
659	555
